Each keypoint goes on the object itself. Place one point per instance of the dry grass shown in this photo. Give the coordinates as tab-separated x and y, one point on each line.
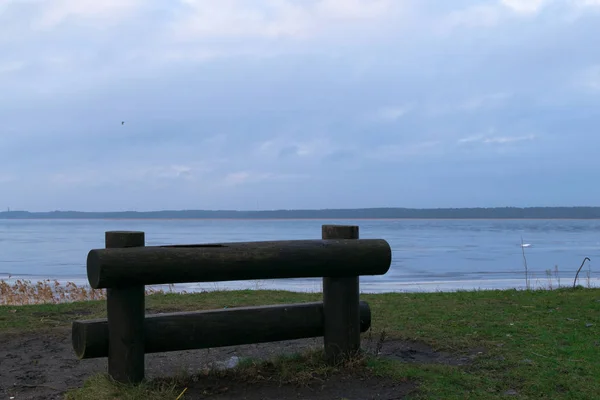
25	292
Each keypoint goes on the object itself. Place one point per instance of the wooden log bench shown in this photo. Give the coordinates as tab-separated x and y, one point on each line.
126	265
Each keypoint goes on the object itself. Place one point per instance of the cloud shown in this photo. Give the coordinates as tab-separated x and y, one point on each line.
488	139
237	178
470	139
477	103
37	17
128	174
56	12
286	146
524	6
391	114
508	139
402	152
492	99
493	14
588	3
171	172
480	15
201	19
253	177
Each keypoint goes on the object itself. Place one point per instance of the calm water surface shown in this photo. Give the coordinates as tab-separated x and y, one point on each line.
427	254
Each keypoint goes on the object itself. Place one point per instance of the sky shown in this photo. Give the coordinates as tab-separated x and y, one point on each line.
286	104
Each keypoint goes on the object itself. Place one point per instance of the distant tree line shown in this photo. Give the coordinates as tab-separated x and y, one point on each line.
383	213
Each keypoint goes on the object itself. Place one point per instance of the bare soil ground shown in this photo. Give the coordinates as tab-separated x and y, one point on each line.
42	365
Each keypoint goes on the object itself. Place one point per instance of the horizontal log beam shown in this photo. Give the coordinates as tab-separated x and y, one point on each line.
214	328
237	261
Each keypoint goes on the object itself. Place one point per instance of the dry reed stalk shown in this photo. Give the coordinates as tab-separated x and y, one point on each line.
23	292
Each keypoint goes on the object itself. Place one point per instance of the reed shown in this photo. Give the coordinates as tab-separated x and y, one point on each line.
24	292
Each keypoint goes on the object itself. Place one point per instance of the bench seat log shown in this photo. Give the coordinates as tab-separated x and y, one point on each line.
152	265
214	328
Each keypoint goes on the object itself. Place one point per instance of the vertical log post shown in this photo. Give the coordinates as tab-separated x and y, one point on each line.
341	305
125	307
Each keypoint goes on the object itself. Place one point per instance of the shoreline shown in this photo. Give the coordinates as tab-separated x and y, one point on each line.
315	285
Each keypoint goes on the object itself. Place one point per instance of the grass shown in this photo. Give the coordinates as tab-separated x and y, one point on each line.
539	343
536	343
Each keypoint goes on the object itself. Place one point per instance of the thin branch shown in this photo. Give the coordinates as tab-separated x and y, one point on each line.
579	270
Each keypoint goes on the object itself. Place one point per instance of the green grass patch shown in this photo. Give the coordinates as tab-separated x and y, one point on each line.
538	344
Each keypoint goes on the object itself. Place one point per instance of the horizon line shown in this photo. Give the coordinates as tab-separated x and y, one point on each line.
297	209
315	219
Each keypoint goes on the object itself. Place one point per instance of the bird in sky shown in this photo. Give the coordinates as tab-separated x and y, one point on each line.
122	122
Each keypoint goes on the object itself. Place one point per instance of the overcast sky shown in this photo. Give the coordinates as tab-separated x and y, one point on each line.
237	104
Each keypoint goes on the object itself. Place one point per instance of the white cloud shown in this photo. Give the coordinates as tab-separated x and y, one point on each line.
470	139
352	9
480	15
236	178
388	114
508	139
56	12
281	145
402	151
524	6
473	103
487	139
484	101
172	171
128	174
249	177
587	3
490	14
200	19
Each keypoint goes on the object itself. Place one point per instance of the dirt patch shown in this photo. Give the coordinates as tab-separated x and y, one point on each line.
420	353
43	366
348	387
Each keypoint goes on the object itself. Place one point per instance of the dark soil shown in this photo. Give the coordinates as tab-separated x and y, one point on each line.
43	366
341	386
420	353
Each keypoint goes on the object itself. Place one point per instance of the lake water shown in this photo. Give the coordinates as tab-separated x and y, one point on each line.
427	254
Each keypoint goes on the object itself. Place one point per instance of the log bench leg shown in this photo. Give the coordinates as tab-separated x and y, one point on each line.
341	306
125	308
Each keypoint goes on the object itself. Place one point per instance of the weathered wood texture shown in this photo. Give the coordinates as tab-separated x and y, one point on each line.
237	261
214	328
124	239
125	309
341	304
